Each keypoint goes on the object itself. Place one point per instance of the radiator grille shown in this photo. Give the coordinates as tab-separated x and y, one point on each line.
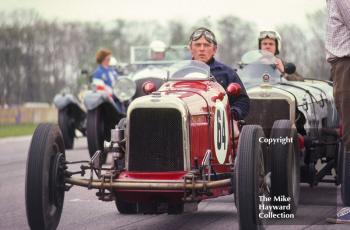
266	112
155	140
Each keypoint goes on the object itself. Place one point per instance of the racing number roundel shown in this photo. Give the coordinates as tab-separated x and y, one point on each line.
220	132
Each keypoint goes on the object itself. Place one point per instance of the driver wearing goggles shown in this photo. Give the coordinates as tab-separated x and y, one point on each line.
203	46
208	35
271	41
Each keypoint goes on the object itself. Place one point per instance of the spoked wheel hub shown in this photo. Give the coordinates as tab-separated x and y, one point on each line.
57	184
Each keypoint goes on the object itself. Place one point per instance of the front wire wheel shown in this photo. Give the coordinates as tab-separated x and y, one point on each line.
45	184
251	189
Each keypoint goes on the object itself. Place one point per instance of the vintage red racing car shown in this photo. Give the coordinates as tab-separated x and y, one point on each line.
176	147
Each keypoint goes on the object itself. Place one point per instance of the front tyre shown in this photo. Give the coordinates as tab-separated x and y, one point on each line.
125	207
45	186
250	177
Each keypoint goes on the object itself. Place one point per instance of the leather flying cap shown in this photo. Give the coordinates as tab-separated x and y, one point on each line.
202	31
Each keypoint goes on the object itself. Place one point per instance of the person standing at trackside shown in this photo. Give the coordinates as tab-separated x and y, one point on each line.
338	55
203	46
103	72
105	76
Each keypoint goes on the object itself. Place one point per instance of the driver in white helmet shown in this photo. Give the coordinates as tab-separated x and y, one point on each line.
271	41
113	62
114	65
157	50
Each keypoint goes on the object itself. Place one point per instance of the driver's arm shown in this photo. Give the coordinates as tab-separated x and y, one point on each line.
279	65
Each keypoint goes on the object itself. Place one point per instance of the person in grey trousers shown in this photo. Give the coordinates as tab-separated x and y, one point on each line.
338	55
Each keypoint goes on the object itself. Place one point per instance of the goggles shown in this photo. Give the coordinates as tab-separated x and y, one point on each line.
208	35
268	34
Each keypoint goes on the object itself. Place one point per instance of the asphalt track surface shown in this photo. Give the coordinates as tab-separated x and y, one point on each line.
82	210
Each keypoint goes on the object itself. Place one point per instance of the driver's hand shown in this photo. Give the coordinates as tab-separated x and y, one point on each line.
279	65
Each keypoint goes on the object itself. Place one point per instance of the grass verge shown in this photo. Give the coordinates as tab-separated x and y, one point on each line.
17	130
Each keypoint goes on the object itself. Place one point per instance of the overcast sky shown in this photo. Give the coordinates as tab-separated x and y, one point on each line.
265	13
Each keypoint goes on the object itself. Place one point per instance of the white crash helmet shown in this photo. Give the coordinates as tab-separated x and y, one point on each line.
113	62
157	46
272	35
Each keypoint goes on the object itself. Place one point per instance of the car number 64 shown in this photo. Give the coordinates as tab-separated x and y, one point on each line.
220	132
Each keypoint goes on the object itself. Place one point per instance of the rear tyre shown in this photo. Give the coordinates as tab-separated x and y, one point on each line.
345	187
250	174
285	167
45	186
95	131
66	124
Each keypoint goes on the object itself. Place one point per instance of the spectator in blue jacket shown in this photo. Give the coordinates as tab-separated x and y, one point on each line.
104	72
105	76
203	46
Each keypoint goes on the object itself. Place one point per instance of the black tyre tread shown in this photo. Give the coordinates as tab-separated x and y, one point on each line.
93	131
279	167
34	165
345	187
34	176
68	134
126	207
246	177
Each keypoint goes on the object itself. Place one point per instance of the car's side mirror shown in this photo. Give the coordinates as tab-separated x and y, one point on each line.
233	89
289	68
149	87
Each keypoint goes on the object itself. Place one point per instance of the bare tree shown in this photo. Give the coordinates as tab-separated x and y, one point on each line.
39	57
306	48
177	33
317	54
294	47
236	38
